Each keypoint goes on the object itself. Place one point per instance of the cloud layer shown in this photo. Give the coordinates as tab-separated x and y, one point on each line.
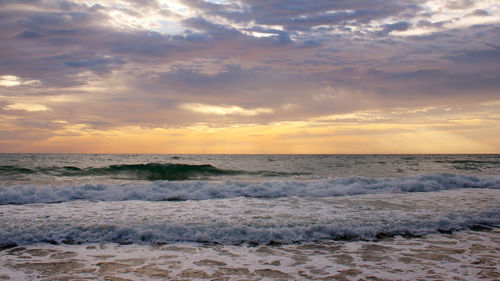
77	68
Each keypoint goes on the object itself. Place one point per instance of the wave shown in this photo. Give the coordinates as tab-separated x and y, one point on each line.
155	171
12	170
203	190
149	171
467	161
470	164
236	234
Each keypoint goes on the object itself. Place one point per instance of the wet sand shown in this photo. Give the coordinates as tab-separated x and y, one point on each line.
468	255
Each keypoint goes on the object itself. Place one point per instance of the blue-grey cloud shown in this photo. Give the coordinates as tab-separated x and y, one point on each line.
480	12
398	26
427	23
303	15
459	4
487	56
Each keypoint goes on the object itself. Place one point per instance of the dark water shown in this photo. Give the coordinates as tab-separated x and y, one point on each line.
75	167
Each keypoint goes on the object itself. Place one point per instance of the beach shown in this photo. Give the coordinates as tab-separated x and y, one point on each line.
249	140
249	217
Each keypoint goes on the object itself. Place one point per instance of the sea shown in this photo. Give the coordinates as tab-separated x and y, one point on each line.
249	217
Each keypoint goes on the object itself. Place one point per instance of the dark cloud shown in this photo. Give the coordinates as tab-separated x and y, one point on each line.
438	85
29	34
427	23
491	56
297	15
302	14
84	60
398	26
332	18
459	4
480	12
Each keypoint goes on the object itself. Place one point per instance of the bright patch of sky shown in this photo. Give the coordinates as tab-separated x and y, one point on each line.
169	27
464	14
220	2
27	107
12	81
177	7
224	109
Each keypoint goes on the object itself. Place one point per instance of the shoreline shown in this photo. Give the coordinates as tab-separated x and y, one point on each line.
464	255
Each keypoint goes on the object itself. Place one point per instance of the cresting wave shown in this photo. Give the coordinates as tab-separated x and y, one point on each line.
149	171
203	190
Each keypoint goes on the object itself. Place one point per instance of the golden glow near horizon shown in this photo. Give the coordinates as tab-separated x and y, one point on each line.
284	137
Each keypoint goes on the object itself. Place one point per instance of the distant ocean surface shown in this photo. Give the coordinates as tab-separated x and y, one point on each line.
242	199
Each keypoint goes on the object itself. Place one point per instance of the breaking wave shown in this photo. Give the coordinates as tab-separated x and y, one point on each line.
203	190
236	234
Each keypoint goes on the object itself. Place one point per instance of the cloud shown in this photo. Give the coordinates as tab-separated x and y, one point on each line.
476	56
9	81
427	23
459	4
303	15
95	64
224	109
480	13
157	64
27	107
12	81
398	26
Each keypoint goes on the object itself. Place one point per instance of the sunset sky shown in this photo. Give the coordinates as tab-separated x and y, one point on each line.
250	76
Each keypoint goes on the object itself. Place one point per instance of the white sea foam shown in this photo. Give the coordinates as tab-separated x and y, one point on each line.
203	190
468	254
238	234
250	220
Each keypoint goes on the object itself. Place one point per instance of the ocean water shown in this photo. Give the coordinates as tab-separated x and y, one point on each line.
239	202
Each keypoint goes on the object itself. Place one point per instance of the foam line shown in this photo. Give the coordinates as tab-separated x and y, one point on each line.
233	234
203	190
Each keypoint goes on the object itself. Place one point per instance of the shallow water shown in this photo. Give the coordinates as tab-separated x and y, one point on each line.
469	255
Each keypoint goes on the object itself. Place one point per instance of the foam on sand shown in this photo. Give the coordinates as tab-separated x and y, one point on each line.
469	255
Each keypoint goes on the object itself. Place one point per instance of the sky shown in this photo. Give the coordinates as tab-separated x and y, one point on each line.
250	76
